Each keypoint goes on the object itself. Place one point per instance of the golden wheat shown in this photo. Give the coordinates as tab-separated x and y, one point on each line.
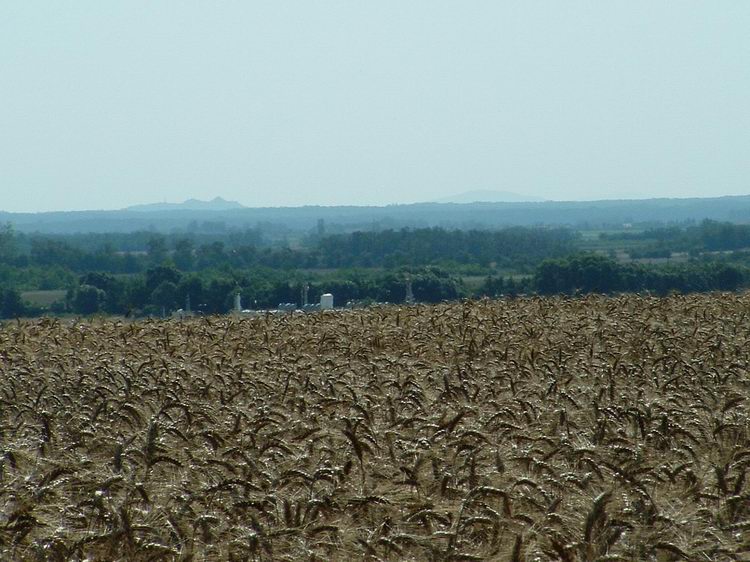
533	429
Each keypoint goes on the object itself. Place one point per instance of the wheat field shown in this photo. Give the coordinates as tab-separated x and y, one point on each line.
520	430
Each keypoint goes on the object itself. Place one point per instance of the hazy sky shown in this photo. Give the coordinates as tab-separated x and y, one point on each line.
105	104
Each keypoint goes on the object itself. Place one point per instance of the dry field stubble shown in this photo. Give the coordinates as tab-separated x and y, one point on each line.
540	429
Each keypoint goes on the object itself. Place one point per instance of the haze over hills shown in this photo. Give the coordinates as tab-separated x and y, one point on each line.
580	214
488	196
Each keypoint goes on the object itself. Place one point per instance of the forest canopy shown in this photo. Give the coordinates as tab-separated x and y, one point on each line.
152	273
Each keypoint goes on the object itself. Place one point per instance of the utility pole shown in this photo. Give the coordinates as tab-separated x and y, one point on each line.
409	294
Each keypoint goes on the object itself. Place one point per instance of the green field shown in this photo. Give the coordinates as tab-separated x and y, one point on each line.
43	298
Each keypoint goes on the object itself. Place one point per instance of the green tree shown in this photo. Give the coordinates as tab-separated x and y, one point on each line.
587	273
7	244
11	305
156	248
192	287
492	287
113	288
49	251
88	299
183	254
211	255
727	277
165	296
218	295
157	275
552	277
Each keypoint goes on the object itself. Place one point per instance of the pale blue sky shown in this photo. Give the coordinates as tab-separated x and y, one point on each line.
105	104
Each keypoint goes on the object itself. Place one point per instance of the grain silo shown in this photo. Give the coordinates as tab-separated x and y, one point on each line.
326	301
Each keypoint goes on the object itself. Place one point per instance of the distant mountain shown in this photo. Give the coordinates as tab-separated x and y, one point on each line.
488	196
216	204
482	215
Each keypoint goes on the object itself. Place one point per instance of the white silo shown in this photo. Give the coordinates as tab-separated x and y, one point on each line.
237	303
326	301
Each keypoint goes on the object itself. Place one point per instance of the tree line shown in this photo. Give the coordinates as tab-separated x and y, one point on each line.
707	236
166	273
590	273
163	289
117	253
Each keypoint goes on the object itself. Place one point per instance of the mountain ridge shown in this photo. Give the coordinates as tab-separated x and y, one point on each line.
481	215
488	196
215	204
